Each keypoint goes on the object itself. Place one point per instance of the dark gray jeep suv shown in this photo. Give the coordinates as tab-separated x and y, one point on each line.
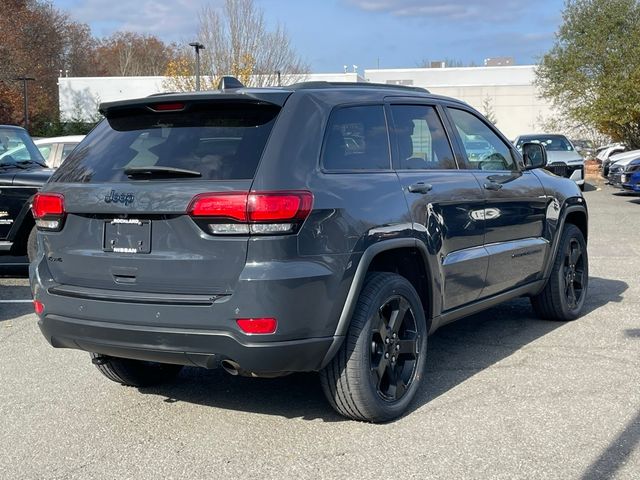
318	227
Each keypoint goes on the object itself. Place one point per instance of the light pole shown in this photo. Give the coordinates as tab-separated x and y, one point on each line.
25	97
198	46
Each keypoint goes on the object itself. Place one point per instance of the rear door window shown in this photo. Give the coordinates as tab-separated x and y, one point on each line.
357	139
421	138
220	141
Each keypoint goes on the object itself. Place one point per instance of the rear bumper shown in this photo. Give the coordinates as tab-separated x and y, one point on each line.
305	298
199	348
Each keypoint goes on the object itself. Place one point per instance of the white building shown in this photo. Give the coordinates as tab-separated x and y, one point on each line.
508	91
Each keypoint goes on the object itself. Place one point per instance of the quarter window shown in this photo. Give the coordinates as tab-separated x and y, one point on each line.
485	150
357	139
421	138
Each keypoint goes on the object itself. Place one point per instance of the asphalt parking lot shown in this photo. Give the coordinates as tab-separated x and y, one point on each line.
506	396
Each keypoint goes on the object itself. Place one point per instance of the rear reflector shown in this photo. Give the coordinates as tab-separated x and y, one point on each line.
258	326
48	210
38	306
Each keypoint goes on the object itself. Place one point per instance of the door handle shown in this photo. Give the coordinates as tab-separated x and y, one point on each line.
420	187
492	186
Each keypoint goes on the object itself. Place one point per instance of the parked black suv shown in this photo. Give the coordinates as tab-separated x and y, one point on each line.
318	227
22	172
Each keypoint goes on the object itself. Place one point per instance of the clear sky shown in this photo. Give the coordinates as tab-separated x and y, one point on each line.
331	33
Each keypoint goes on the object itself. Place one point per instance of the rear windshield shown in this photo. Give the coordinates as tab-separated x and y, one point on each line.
219	141
555	143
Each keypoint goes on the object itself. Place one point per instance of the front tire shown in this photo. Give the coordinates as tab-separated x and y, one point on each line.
135	373
564	295
378	369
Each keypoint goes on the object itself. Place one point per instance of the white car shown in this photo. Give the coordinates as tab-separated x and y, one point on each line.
562	157
56	149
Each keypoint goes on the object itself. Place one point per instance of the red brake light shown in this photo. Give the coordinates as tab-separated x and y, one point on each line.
279	206
47	204
226	205
256	208
258	326
167	107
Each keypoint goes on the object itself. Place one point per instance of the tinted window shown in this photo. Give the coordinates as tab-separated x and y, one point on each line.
554	143
45	150
357	139
485	150
67	149
16	146
422	141
221	141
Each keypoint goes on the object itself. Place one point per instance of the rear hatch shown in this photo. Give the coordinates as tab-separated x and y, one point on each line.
127	190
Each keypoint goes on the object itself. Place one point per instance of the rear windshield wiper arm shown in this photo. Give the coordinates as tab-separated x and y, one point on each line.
155	171
27	162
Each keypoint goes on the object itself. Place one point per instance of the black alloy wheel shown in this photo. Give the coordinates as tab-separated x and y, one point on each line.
378	370
574	274
564	295
394	348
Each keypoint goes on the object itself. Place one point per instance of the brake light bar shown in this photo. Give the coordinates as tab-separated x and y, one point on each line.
167	107
256	212
48	211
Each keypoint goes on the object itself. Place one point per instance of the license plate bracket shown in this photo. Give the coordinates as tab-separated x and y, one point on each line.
127	236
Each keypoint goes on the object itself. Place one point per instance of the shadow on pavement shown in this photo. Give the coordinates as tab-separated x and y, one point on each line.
456	352
616	454
633	333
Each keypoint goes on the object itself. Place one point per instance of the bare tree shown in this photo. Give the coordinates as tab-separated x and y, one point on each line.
132	54
238	42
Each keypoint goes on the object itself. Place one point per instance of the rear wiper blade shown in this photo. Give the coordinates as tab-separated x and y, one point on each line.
26	162
155	171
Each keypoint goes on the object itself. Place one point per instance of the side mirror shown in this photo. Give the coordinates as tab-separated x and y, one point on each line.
535	155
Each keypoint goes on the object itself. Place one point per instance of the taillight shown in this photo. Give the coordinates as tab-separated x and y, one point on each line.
38	307
258	326
260	213
48	211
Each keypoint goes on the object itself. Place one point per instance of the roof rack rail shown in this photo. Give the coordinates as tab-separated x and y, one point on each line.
322	84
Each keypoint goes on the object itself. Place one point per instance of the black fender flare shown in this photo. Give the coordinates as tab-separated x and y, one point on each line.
358	282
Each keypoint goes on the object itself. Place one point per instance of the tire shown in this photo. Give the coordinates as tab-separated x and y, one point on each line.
351	381
582	187
135	373
564	294
32	244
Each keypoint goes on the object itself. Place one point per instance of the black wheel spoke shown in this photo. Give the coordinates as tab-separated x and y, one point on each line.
380	370
397	315
575	254
408	347
572	295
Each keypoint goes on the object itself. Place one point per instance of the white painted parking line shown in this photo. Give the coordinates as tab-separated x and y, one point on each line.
16	301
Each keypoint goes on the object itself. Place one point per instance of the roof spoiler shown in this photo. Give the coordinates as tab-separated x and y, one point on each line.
228	82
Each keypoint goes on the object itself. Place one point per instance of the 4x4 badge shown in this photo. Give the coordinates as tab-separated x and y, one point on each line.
114	197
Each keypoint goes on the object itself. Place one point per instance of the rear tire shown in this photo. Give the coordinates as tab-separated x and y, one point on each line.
563	297
378	369
135	373
32	244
